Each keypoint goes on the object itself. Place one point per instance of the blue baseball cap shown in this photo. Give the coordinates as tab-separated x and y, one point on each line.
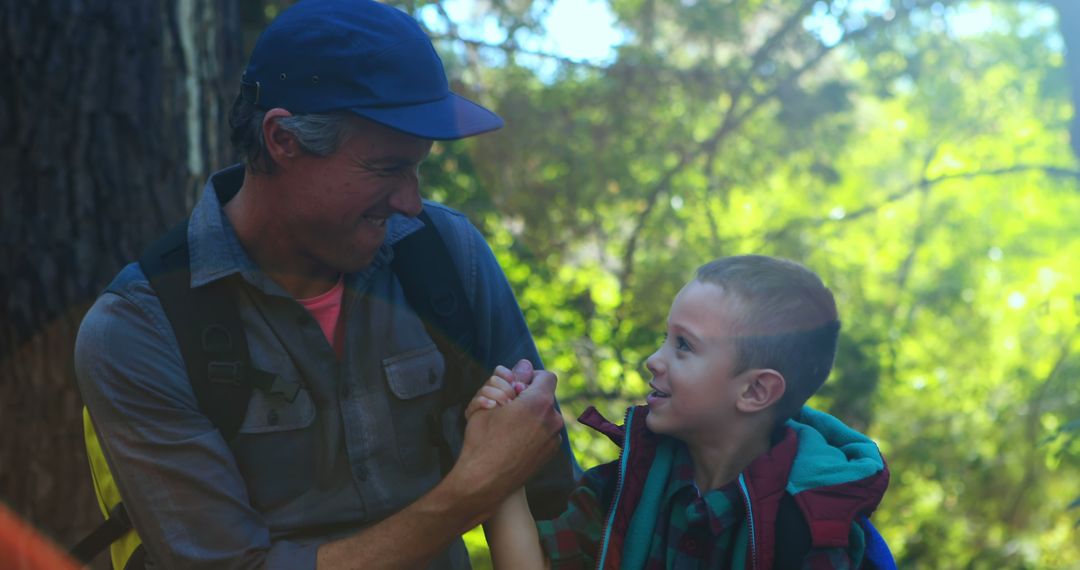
361	56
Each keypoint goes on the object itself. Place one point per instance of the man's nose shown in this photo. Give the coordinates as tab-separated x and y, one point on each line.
406	198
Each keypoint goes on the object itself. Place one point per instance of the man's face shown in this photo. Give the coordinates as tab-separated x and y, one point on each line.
338	209
694	390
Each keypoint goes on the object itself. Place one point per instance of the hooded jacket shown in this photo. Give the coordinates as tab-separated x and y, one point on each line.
834	474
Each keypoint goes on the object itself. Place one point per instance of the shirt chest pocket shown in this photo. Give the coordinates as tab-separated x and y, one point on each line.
268	413
415	373
277	447
415	379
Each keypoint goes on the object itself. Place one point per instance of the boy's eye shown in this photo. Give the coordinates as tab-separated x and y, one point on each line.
680	343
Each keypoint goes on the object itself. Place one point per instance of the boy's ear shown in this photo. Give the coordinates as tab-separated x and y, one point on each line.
763	387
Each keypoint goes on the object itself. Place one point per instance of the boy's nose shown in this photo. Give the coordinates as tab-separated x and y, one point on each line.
653	364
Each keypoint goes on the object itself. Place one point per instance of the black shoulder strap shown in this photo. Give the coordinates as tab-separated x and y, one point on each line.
433	288
792	535
207	326
206	322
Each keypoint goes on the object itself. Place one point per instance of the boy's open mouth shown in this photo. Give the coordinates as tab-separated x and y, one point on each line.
656	393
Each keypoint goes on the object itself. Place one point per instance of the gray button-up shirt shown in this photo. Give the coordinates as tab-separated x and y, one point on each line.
350	450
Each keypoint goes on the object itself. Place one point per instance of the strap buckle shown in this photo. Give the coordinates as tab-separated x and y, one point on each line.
224	372
250	91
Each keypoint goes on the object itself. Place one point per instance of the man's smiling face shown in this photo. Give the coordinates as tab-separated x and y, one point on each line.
337	216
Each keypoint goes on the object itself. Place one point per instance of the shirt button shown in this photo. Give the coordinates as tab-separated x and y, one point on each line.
272	417
689	545
362	473
431	376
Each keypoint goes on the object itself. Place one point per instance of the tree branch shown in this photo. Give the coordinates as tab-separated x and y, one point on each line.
817	221
732	121
510	48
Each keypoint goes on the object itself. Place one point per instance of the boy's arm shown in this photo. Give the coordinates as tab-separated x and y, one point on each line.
511	535
572	540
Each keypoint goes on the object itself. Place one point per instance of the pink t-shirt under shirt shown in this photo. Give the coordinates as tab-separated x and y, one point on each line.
326	308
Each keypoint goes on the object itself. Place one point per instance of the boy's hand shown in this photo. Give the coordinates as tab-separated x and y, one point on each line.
503	386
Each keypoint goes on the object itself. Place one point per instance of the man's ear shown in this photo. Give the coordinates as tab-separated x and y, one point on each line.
281	145
762	388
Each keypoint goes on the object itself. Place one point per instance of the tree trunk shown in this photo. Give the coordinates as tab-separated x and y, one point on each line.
1069	25
112	114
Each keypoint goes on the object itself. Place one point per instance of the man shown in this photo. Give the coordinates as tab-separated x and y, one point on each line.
339	105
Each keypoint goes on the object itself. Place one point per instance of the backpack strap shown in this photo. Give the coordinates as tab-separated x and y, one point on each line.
207	328
433	289
206	322
878	556
793	540
792	536
117	525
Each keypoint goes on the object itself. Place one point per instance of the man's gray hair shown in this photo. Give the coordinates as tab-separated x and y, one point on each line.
320	134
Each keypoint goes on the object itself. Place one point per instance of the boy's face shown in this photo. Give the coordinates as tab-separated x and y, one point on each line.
694	391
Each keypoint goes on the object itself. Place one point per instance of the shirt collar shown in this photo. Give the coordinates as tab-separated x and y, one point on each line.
719	508
216	252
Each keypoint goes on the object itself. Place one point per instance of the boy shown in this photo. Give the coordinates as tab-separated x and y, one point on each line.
723	468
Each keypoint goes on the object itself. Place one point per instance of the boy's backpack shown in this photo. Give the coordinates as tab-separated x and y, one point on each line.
790	552
214	348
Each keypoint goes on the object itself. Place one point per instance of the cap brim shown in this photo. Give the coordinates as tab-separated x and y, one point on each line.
453	117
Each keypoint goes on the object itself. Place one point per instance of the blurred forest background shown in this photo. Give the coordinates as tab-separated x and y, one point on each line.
917	154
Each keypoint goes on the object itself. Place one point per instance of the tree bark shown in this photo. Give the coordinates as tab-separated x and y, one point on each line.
1069	25
112	114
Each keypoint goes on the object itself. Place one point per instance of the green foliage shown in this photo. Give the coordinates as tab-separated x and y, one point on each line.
921	167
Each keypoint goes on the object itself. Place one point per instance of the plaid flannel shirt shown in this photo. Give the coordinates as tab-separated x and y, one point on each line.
699	531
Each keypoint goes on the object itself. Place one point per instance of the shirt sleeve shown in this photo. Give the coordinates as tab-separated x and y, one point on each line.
176	474
572	539
505	338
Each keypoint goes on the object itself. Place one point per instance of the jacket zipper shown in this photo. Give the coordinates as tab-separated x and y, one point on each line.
624	456
750	519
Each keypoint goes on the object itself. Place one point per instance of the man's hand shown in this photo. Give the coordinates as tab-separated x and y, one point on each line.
507	444
503	447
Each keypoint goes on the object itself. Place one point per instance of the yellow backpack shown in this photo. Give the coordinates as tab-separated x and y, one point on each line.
108	497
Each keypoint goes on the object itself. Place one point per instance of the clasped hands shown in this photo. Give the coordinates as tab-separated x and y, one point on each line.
513	429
